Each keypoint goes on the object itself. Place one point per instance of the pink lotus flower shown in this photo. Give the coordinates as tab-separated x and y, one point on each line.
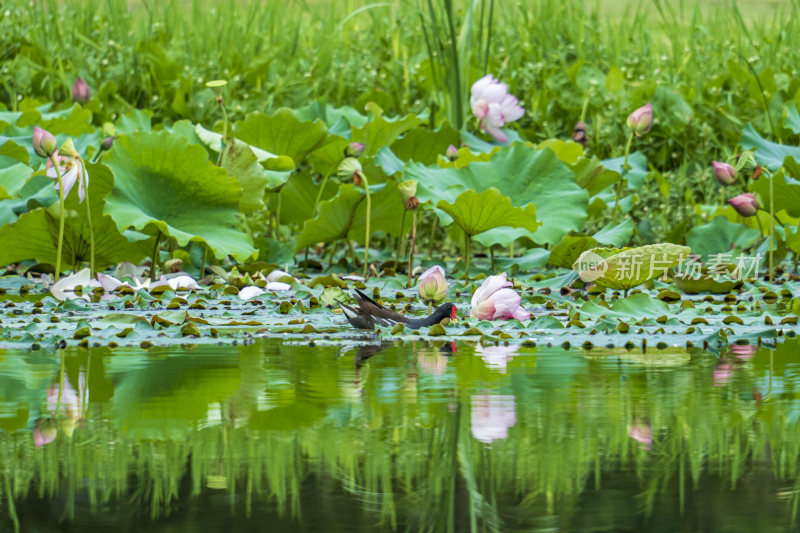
493	105
725	173
641	119
432	285
495	300
71	170
745	204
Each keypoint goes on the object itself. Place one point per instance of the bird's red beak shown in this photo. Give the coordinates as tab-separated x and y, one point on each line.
453	315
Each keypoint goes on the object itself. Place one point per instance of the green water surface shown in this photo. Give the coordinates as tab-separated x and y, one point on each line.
278	435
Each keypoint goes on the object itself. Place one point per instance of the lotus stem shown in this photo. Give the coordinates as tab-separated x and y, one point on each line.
85	178
205	256
366	231
411	247
154	260
278	218
466	253
400	241
771	225
622	178
224	130
61	221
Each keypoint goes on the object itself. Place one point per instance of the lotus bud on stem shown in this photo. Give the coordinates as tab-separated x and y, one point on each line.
80	91
44	144
217	86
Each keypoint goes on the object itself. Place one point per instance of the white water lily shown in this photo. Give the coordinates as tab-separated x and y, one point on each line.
278	286
71	173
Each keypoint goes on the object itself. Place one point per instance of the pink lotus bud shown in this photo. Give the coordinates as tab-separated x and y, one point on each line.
494	299
745	204
44	143
80	91
433	285
452	153
354	150
725	173
641	119
107	143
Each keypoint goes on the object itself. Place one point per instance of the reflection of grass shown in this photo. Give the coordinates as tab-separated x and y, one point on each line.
401	442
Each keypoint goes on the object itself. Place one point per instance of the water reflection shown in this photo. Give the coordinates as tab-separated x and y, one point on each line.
409	436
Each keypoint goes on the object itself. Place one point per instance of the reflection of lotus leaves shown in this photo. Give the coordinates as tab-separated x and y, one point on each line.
492	415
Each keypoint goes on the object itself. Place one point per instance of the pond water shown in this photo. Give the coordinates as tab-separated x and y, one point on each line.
434	436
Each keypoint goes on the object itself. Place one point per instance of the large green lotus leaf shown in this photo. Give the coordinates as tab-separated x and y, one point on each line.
636	174
617	236
74	121
593	176
138	120
380	132
792	120
344	215
213	141
326	159
479	212
567	151
13	175
720	236
164	183
424	145
35	234
240	162
298	196
282	133
630	267
13	150
566	252
334	219
793	239
768	153
524	174
385	214
785	190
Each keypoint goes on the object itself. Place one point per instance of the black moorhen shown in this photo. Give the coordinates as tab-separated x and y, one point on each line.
370	313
